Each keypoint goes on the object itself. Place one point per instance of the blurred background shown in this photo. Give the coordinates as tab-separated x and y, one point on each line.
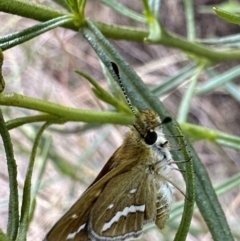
44	68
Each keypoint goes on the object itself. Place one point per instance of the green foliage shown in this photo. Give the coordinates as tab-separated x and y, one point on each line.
228	16
201	58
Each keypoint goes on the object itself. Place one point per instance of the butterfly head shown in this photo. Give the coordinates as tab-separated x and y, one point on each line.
148	127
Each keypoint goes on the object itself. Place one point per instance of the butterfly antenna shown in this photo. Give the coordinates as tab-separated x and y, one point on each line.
116	71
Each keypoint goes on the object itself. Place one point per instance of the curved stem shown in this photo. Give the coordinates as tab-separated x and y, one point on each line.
42	13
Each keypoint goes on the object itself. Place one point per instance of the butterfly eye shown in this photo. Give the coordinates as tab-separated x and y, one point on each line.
150	138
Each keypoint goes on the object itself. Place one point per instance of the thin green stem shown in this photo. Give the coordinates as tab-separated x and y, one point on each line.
62	3
11	124
41	13
26	203
189	12
41	169
147	10
201	133
123	10
190	183
186	100
13	212
171	83
65	113
17	38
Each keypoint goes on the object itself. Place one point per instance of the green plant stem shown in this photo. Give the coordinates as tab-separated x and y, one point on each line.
218	80
11	124
189	12
41	13
173	82
170	40
186	100
13	212
26	203
63	4
190	192
123	10
65	113
202	133
29	10
17	38
41	170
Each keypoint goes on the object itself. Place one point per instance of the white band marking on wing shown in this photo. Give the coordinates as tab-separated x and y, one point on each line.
72	235
125	212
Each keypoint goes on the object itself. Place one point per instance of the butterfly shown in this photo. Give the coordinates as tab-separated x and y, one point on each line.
132	189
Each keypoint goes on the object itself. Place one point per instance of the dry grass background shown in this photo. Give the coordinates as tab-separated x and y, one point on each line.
43	68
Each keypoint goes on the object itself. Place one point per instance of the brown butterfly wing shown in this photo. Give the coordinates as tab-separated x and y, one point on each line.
124	206
73	225
74	222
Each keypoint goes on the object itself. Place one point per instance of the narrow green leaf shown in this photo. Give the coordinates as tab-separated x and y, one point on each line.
189	203
229	17
155	30
203	133
13	211
26	202
233	90
17	38
229	184
41	13
142	98
189	12
113	86
43	162
231	39
73	5
218	80
221	189
186	100
81	6
173	82
154	6
120	8
230	87
62	3
230	6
